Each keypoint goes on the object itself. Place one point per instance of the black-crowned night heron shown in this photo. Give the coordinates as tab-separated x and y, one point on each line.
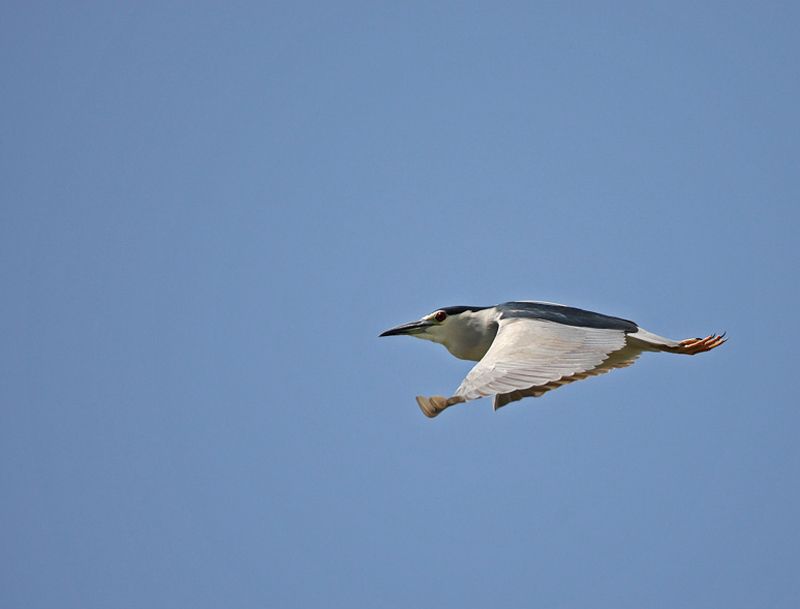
525	349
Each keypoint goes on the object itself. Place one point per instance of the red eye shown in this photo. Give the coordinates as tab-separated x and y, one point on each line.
440	316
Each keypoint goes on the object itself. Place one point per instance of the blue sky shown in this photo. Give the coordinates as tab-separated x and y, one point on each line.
209	212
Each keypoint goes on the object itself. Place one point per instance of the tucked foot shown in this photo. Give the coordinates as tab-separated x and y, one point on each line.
692	346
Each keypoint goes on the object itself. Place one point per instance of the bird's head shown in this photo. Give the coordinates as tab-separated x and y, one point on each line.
465	331
428	327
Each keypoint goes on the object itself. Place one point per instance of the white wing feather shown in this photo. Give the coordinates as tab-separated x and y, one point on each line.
530	352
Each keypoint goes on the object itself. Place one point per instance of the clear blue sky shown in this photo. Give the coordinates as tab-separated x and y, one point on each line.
209	211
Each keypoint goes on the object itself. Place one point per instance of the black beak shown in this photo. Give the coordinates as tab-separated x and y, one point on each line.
414	327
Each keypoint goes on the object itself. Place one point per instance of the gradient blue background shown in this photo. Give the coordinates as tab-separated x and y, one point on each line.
209	212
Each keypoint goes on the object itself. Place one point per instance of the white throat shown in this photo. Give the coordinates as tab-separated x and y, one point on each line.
467	335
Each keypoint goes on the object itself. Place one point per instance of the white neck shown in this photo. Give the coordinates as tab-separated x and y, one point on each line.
467	335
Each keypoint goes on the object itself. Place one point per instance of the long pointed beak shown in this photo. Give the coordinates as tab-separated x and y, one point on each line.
413	327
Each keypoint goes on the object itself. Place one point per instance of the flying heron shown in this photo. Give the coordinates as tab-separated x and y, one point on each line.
527	348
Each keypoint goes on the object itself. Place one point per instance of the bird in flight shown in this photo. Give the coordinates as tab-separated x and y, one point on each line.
527	348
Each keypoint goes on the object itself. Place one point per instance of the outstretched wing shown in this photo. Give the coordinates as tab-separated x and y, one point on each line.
529	352
619	359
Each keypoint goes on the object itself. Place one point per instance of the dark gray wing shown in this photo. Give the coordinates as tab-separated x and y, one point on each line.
563	314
